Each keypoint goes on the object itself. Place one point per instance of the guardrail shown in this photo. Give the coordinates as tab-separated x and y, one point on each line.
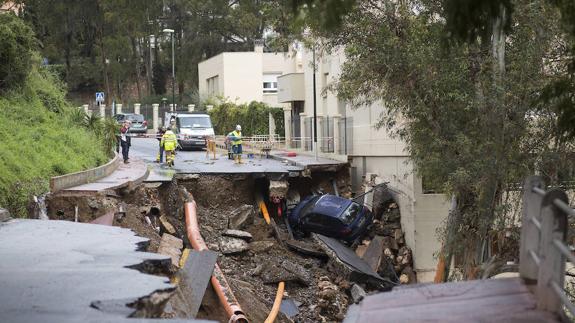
59	183
543	250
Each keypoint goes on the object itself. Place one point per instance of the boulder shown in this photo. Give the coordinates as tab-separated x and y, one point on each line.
244	235
4	214
230	246
357	293
241	217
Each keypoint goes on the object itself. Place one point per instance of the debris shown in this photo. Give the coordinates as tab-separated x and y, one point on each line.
306	248
360	251
261	246
229	245
278	189
241	217
238	234
389	242
194	279
374	252
171	246
166	225
357	293
289	307
286	272
347	264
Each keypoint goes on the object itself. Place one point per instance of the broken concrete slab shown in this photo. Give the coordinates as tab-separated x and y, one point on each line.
194	279
357	293
346	263
172	247
286	272
360	250
82	264
261	246
244	235
242	217
230	246
374	253
306	248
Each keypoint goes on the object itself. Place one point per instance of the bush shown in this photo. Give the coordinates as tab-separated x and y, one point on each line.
252	117
17	45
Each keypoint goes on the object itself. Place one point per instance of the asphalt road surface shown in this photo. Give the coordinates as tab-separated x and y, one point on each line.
193	162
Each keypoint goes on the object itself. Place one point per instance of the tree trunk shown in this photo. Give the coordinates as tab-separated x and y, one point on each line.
136	59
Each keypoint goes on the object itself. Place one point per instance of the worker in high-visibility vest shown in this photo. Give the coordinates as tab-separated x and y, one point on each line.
169	142
236	140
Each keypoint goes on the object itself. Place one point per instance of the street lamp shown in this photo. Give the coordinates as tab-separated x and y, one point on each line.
314	108
171	32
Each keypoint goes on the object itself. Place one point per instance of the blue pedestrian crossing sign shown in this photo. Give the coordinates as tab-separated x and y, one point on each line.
99	96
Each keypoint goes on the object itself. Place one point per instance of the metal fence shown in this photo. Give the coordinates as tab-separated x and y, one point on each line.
543	249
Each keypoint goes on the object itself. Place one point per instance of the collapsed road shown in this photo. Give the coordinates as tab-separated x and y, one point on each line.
254	258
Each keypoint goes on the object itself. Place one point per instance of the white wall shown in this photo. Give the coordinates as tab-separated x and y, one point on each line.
210	68
243	77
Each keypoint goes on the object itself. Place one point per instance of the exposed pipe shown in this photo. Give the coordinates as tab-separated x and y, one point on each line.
277	303
281	285
218	280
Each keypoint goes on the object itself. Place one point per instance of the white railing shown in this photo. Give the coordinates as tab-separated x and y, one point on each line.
543	249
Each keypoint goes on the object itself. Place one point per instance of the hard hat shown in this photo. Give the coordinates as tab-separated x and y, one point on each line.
239	128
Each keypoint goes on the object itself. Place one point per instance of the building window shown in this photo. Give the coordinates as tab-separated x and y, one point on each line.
213	85
270	84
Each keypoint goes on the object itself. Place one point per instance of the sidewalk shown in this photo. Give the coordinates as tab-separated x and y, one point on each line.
125	176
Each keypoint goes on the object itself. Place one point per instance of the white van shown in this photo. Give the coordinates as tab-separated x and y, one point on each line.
192	128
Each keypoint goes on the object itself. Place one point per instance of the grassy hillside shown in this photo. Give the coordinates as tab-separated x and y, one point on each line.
42	136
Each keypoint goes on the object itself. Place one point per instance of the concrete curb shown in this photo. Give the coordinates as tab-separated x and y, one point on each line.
59	183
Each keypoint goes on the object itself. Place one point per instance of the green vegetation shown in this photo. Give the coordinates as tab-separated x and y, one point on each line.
472	113
252	117
42	136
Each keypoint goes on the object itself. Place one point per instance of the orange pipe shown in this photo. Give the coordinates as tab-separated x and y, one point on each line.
218	280
265	213
277	303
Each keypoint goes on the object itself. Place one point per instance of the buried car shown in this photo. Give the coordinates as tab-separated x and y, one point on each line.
332	216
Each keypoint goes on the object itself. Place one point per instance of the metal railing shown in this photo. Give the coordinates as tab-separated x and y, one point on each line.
543	249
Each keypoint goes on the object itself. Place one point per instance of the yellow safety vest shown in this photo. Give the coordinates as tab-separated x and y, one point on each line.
169	140
237	134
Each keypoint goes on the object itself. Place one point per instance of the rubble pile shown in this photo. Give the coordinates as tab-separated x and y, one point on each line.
387	252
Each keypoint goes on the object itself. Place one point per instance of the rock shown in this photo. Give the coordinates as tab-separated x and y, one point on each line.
389	242
286	272
403	279
360	251
229	245
4	215
278	189
357	293
241	217
261	246
166	225
244	235
171	246
398	234
374	252
411	278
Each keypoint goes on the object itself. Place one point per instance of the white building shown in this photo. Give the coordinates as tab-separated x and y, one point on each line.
246	76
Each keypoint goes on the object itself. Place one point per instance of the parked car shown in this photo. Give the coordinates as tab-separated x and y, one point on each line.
332	216
192	128
139	124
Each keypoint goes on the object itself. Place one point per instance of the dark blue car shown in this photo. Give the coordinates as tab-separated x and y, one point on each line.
331	216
